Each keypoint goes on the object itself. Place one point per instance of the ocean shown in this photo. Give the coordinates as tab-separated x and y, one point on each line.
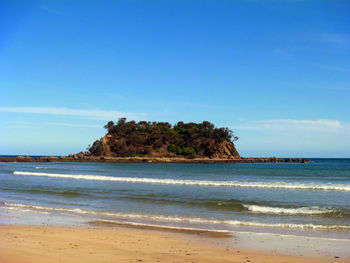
305	199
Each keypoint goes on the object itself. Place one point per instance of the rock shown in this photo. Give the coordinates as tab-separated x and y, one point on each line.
80	155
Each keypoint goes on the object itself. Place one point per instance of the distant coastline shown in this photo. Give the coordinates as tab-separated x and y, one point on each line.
160	142
83	158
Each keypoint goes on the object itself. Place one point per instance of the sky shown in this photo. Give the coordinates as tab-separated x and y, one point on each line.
275	72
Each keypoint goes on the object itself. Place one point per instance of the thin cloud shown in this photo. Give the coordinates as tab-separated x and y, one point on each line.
50	10
22	127
331	67
58	13
339	40
281	53
292	126
74	125
37	125
115	95
82	113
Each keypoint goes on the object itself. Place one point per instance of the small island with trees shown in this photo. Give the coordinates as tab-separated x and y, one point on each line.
130	141
161	139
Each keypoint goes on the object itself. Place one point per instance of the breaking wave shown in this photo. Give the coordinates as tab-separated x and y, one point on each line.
290	211
175	219
276	185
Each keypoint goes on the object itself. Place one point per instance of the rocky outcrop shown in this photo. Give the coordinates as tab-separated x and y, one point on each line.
225	150
105	142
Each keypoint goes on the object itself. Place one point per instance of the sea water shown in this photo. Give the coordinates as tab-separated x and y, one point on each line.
302	199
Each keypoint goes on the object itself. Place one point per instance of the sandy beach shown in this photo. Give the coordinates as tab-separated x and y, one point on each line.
27	244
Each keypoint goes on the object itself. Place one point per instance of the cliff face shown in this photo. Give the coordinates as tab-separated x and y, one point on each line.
106	149
225	150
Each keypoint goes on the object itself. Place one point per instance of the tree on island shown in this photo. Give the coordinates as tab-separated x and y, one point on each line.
130	138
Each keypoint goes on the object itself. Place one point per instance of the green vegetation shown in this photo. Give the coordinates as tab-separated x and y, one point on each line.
130	138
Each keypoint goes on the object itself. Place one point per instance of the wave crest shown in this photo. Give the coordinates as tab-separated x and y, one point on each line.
290	211
165	218
273	185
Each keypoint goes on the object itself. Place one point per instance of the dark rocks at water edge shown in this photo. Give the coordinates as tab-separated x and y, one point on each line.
86	157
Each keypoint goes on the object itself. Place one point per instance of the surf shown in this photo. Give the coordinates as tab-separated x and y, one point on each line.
290	211
176	219
271	185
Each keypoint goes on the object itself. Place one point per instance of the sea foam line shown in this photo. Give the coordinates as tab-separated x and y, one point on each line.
178	218
290	211
281	185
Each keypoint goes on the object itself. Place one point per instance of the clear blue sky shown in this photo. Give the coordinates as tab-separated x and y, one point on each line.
276	72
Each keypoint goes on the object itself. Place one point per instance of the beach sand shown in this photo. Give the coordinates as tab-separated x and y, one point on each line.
27	244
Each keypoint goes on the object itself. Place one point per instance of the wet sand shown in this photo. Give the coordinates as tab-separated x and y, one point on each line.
29	244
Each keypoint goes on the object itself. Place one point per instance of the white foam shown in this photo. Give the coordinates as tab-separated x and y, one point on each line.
292	211
178	219
281	185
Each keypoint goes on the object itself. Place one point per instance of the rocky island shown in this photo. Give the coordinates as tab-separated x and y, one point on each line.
130	141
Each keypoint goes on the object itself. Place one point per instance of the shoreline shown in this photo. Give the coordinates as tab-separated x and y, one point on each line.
26	244
47	216
290	246
106	159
